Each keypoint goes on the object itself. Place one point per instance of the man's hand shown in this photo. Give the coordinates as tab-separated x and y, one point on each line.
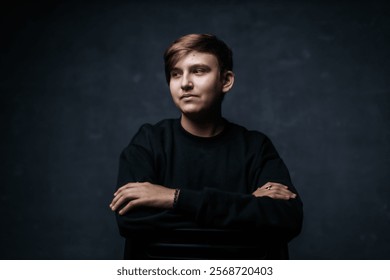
142	194
275	191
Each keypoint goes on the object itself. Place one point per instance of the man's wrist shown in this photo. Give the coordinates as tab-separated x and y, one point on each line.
175	198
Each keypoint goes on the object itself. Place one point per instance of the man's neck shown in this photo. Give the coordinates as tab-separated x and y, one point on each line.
203	128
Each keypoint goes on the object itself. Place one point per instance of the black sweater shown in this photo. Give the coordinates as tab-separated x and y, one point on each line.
216	176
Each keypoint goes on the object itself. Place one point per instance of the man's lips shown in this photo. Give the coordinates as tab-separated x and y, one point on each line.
187	96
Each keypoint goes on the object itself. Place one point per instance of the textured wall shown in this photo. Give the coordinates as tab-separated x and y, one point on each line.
77	80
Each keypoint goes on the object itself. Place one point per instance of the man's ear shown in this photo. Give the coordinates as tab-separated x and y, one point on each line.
227	81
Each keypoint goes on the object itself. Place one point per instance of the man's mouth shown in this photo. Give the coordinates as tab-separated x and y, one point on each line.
187	96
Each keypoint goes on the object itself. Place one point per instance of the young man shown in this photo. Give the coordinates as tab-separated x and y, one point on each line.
200	186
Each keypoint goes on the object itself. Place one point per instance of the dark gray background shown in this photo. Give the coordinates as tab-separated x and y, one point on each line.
78	79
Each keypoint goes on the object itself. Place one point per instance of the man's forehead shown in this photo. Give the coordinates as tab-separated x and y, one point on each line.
195	57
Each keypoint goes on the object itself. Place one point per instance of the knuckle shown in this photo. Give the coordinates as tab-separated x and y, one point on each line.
129	205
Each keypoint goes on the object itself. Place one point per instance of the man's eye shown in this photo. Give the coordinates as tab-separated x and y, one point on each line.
199	71
175	74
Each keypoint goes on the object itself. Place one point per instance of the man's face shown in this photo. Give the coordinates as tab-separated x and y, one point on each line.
196	85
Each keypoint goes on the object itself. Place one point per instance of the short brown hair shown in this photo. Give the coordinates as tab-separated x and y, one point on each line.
205	43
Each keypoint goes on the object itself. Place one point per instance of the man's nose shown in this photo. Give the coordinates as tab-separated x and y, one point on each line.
186	83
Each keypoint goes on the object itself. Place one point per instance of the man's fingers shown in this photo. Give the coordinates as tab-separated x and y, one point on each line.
276	186
117	203
271	185
128	207
281	195
275	191
115	199
120	199
125	187
282	192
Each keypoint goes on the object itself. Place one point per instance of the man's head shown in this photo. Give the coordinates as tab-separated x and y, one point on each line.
199	74
203	43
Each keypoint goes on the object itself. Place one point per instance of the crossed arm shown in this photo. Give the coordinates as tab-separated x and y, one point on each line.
134	195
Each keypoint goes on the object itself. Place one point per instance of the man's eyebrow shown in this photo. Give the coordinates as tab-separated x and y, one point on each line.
200	65
197	65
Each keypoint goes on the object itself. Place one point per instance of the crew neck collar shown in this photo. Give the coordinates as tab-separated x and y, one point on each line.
206	138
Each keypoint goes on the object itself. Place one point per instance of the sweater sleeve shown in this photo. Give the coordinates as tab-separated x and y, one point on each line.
211	207
136	165
214	208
